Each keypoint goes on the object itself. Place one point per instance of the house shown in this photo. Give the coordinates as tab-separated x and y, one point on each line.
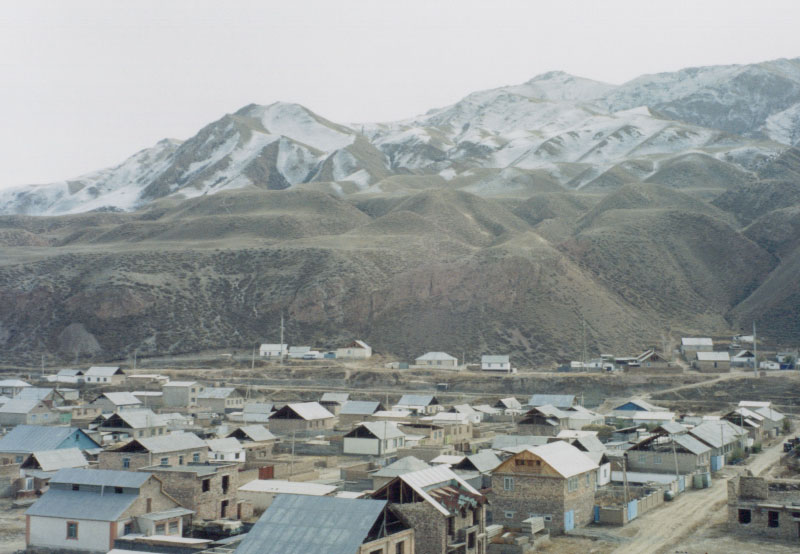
24	440
181	394
131	424
477	468
446	513
208	489
104	375
692	345
712	362
257	441
764	508
436	360
772	422
73	376
560	401
257	412
262	492
53	460
457	428
374	439
544	420
166	450
87	509
588	443
418	404
303	353
333	401
111	402
220	400
27	412
498	363
12	387
356	350
302	523
509	405
722	437
748	420
471	413
516	443
636	405
226	450
355	411
273	350
743	358
149	398
406	464
51	398
645	418
665	453
301	416
651	361
555	481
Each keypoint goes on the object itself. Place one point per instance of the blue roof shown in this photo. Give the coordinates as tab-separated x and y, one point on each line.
297	524
33	438
81	505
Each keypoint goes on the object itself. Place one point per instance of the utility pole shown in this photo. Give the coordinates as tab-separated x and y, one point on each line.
625	476
755	351
583	333
42	366
280	346
253	361
291	464
675	456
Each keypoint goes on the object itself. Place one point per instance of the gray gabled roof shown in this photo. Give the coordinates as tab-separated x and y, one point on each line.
216	392
101	477
119	398
259	408
717	433
33	438
298	524
59	503
19	406
256	433
359	407
13	383
557	400
691	444
139	419
102	371
484	461
503	442
380	430
494	359
415	400
401	466
34	393
339	397
171	443
53	460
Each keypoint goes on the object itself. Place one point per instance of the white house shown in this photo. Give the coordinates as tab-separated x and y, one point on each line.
225	450
374	438
273	350
12	387
104	375
304	353
496	363
438	360
419	404
690	345
356	350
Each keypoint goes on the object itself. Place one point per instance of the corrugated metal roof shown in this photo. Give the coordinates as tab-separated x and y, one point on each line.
310	410
494	359
13	383
382	429
70	372
403	465
484	461
486	409
259	408
296	524
19	406
717	433
504	442
771	414
673	427
102	371
690	443
713	357
82	504
359	407
564	458
256	433
53	460
697	341
140	419
557	400
166	514
434	356
415	400
224	445
340	397
171	442
510	403
643	404
278	486
449	459
119	398
426	479
216	392
179	384
34	393
101	477
33	438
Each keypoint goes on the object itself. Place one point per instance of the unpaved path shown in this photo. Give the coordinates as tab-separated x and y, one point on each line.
660	529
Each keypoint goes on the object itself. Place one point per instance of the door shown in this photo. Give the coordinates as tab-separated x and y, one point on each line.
597	514
681	483
569	520
633	509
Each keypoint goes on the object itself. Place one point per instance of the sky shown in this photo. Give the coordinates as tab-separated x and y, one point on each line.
85	84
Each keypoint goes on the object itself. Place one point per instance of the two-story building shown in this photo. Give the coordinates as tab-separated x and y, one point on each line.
175	449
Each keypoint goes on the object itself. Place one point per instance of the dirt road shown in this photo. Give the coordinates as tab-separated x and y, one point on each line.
660	529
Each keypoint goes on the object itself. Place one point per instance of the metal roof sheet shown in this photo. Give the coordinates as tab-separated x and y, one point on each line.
140	419
713	356
770	414
690	443
673	427
258	408
484	461
310	410
52	460
494	359
511	403
33	438
298	524
557	400
717	433
359	407
564	458
643	404
340	397
403	465
216	392
100	477
82	504
415	400
120	398
697	341
279	486
171	442
13	383
166	514
19	406
426	479
504	442
256	433
36	393
382	429
179	384
224	445
433	356
102	371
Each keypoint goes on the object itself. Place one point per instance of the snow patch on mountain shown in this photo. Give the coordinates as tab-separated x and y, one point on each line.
784	126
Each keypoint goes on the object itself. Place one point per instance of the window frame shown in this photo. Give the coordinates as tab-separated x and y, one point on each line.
69	524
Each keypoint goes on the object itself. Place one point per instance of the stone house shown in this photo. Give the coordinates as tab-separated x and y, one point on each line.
220	400
544	420
257	441
299	523
208	489
175	449
457	428
446	513
180	394
301	417
651	361
87	509
52	398
712	362
226	450
356	350
19	411
112	402
659	452
104	375
131	424
555	481
764	508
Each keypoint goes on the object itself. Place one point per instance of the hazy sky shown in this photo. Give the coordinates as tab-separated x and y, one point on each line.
85	84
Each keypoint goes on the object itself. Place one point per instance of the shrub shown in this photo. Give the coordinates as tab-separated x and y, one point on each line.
736	455
756	448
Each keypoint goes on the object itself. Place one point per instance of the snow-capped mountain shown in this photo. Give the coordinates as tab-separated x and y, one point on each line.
569	129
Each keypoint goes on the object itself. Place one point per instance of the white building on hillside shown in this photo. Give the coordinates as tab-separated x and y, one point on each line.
496	363
273	350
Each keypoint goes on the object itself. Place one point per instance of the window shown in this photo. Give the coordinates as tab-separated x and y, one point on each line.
161	529
225	483
173	527
149	505
656	458
223	508
508	483
572	484
196	457
471	540
509	514
206	485
400	548
17	459
773	519
180	460
126	463
128	529
548	518
588	480
744	517
72	530
475	517
642	458
76	487
117	490
164	461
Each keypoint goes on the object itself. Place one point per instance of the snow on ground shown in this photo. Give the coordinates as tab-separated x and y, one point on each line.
297	123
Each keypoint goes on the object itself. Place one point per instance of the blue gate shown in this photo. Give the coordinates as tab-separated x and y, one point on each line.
717	462
569	520
633	509
681	483
597	514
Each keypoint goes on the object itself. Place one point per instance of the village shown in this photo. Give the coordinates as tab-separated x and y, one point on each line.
426	456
